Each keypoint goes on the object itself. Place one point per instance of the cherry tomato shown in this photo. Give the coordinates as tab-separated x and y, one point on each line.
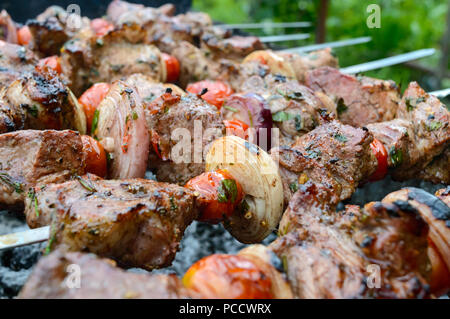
101	26
172	67
380	152
24	35
216	91
228	277
91	98
219	194
237	128
95	156
52	62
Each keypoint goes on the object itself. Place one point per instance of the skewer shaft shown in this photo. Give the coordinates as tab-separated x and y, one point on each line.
397	59
284	37
23	238
441	93
263	25
335	44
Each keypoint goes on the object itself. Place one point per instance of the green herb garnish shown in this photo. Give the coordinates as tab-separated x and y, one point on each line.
86	184
173	206
341	107
293	187
8	180
396	156
282	116
227	191
340	137
230	108
95	122
298	123
434	125
32	196
135	115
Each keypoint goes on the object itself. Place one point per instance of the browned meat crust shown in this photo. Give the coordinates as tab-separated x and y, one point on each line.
15	60
360	100
31	157
99	279
136	222
8	28
334	155
420	133
328	254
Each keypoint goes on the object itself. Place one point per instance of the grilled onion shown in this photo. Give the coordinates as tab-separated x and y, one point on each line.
257	173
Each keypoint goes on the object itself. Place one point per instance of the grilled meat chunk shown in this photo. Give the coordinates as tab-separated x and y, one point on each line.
89	59
123	132
15	60
375	252
360	100
334	155
122	12
181	129
28	158
438	170
39	100
8	29
301	63
420	133
137	222
99	279
233	48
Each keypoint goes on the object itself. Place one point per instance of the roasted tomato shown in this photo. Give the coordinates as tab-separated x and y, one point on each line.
101	26
90	100
213	92
219	194
380	152
95	156
237	128
52	62
227	277
24	35
172	67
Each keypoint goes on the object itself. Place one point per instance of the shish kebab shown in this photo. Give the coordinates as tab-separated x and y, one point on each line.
313	176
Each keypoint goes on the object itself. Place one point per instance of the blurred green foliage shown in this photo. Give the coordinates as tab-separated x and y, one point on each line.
406	25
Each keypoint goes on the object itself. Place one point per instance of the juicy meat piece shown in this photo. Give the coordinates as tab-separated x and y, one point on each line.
28	158
89	59
122	130
234	48
15	60
39	100
122	12
334	155
421	132
301	63
100	279
8	29
181	130
331	254
295	109
438	170
360	100
137	222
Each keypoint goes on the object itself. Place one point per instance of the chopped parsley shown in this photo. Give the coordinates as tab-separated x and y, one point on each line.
341	107
434	125
227	191
230	108
173	206
292	95
86	184
396	156
282	116
135	115
95	122
293	187
340	137
8	180
298	123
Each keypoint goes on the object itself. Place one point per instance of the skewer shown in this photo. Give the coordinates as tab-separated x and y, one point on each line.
262	25
23	238
335	44
441	93
396	59
284	37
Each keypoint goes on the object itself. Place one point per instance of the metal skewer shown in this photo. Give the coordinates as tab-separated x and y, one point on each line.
284	37
23	238
441	93
335	44
262	25
397	59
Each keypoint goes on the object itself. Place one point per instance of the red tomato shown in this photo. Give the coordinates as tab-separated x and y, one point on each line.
101	26
380	152
219	194
216	91
95	156
52	62
91	98
237	128
172	67
228	277
24	35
